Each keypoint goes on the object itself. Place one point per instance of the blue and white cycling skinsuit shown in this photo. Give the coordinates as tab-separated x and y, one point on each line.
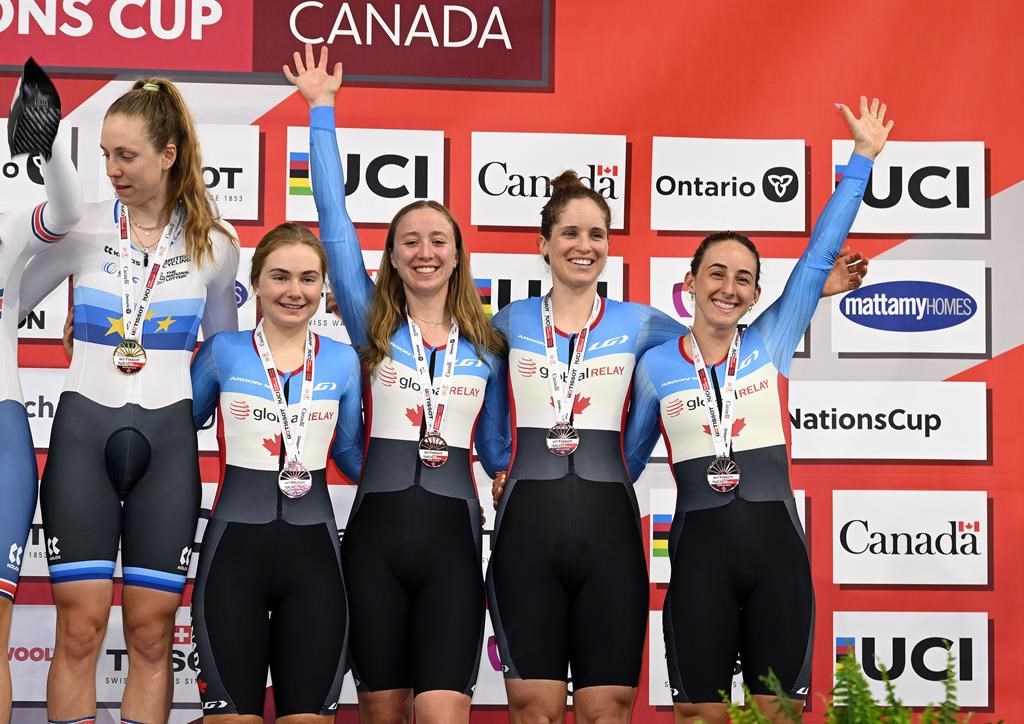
22	234
127	440
269	589
567	581
742	552
412	549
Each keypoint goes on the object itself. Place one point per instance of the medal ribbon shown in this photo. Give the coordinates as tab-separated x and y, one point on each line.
293	438
721	427
434	404
562	398
134	314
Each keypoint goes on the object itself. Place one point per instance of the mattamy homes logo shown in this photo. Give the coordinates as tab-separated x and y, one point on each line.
700	184
915	307
931	187
910	537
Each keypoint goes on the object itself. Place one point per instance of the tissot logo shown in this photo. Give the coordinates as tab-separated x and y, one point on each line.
512	173
705	183
910	537
914	648
922	187
908	306
231	170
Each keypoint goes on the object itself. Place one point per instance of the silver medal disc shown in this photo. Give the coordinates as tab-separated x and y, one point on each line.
563	439
294	480
723	475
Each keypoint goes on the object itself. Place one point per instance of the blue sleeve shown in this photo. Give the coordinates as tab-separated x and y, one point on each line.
347	450
493	437
503	323
656	328
782	325
642	423
205	383
352	286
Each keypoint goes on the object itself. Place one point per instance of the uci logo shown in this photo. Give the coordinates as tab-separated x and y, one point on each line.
386	166
932	178
780	184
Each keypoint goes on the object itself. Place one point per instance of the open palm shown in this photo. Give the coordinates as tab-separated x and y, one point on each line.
315	82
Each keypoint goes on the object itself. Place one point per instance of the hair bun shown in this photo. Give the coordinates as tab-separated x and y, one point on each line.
565	181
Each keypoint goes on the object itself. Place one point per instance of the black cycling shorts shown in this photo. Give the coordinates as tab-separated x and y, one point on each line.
567	582
270	594
741	582
103	458
416	593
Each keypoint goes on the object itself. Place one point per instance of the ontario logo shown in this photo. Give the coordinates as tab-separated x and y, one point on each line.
908	306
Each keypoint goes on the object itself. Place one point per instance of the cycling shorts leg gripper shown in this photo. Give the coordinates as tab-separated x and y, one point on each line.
18	487
81	510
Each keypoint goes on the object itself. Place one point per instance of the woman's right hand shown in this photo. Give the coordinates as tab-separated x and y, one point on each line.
316	84
498	487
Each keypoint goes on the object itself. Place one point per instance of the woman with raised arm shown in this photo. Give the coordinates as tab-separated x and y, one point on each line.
22	234
741	579
567	582
147	269
269	591
435	385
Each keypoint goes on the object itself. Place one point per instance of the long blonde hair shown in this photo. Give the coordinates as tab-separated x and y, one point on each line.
387	310
161	107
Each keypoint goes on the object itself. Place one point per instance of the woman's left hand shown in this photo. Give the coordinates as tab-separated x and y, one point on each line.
847	274
870	131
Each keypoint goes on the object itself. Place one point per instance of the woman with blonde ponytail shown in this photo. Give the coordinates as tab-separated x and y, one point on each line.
148	268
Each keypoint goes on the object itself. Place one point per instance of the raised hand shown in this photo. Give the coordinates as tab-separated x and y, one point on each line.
315	82
870	131
847	274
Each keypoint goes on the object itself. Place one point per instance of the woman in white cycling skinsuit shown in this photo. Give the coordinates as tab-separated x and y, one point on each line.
148	269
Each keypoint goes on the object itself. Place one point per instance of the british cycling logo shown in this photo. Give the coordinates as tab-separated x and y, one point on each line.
908	306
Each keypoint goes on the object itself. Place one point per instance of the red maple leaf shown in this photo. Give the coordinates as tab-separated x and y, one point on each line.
273	445
580	404
415	416
737	427
202	686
